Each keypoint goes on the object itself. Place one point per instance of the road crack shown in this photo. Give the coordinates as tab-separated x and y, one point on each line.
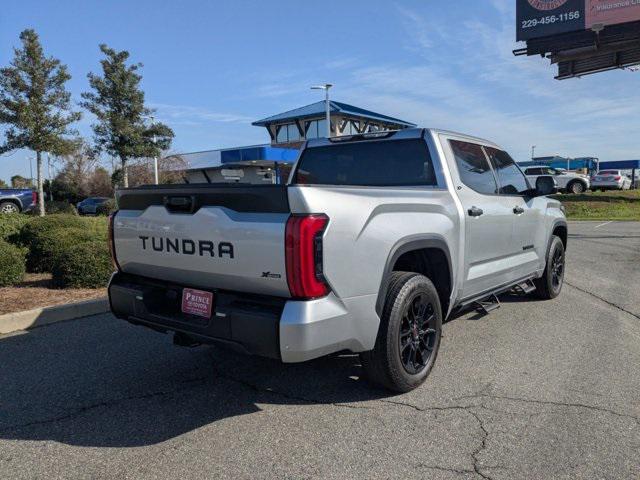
553	403
602	299
105	404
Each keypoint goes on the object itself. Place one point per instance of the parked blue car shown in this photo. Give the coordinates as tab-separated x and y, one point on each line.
15	200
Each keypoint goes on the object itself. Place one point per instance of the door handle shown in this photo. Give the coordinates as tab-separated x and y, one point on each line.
518	210
475	212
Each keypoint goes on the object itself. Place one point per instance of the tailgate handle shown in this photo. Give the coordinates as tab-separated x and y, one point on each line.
180	203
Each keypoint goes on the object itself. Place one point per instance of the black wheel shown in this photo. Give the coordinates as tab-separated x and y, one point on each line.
576	187
8	207
409	335
550	284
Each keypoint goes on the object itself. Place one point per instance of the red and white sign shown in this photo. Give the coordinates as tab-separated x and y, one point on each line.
611	12
197	302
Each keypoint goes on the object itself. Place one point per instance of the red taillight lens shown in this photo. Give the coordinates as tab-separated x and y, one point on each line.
616	178
112	244
34	198
303	249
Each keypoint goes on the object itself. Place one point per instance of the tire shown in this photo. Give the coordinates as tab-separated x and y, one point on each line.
549	285
9	207
576	188
409	334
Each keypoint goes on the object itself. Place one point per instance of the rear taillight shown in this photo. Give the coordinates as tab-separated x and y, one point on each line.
303	249
34	198
616	178
111	240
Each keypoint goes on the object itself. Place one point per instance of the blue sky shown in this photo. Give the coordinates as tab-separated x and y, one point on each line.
210	68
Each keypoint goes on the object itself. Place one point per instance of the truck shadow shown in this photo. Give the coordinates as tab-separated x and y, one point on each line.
103	383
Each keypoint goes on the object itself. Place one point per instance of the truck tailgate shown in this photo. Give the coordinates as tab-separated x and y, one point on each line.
213	237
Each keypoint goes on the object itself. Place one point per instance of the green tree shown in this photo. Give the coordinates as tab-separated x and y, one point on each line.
36	105
118	103
3	184
18	181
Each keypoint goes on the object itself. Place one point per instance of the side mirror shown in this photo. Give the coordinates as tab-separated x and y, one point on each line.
546	185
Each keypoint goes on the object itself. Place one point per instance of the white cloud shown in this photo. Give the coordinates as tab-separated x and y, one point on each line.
189	115
473	83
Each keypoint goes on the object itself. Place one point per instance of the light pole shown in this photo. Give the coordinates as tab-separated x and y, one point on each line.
326	88
533	150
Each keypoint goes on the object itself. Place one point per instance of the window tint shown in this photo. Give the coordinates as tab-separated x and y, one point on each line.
384	163
473	167
533	171
510	178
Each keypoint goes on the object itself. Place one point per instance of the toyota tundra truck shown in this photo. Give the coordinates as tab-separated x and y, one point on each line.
372	242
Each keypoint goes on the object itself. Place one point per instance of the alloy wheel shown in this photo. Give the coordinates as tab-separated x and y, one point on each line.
417	335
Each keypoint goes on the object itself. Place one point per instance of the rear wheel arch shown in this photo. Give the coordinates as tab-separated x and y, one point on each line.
427	256
560	230
12	201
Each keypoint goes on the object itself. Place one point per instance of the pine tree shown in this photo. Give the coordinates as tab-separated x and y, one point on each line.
36	105
118	103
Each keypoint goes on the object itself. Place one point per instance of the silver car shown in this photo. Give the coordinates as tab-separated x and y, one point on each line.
610	180
568	182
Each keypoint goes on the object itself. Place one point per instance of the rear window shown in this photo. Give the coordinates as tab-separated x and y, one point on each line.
608	172
376	164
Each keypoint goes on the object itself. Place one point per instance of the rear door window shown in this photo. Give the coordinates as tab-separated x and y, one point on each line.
473	167
390	163
510	177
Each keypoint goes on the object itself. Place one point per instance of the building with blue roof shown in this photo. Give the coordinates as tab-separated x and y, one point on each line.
305	123
271	162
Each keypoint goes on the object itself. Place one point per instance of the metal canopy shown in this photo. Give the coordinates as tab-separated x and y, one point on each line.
317	109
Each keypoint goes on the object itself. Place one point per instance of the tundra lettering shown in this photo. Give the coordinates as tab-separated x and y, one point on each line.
373	242
186	246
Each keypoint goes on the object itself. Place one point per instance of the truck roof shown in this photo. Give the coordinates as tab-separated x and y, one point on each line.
395	135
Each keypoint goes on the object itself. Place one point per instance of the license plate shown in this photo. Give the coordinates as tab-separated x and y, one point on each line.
197	302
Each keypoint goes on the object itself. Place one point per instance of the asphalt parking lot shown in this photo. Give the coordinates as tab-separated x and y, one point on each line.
533	390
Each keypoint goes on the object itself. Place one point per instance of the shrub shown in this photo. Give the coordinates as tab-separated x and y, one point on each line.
107	208
84	265
36	226
45	244
12	266
60	207
10	225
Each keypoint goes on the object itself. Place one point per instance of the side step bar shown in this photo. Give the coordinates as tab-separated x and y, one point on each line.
488	305
524	287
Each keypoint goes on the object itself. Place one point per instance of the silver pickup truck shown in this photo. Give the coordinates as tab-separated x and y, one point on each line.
372	243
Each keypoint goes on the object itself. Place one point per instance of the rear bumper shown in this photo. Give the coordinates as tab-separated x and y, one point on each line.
607	185
245	323
291	331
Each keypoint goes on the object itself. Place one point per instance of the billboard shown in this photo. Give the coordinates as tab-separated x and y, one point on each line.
543	18
611	12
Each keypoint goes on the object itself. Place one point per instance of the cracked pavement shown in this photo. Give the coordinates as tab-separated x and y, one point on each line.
533	390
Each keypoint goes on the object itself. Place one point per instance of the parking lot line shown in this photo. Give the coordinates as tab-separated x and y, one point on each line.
603	224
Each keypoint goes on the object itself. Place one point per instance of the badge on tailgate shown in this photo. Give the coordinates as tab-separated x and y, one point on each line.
197	302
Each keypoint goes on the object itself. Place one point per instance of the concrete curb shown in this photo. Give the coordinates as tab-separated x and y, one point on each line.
11	322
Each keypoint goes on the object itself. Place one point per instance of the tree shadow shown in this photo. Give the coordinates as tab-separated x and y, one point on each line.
101	382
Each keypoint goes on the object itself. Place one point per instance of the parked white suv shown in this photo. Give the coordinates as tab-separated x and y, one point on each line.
568	182
611	180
